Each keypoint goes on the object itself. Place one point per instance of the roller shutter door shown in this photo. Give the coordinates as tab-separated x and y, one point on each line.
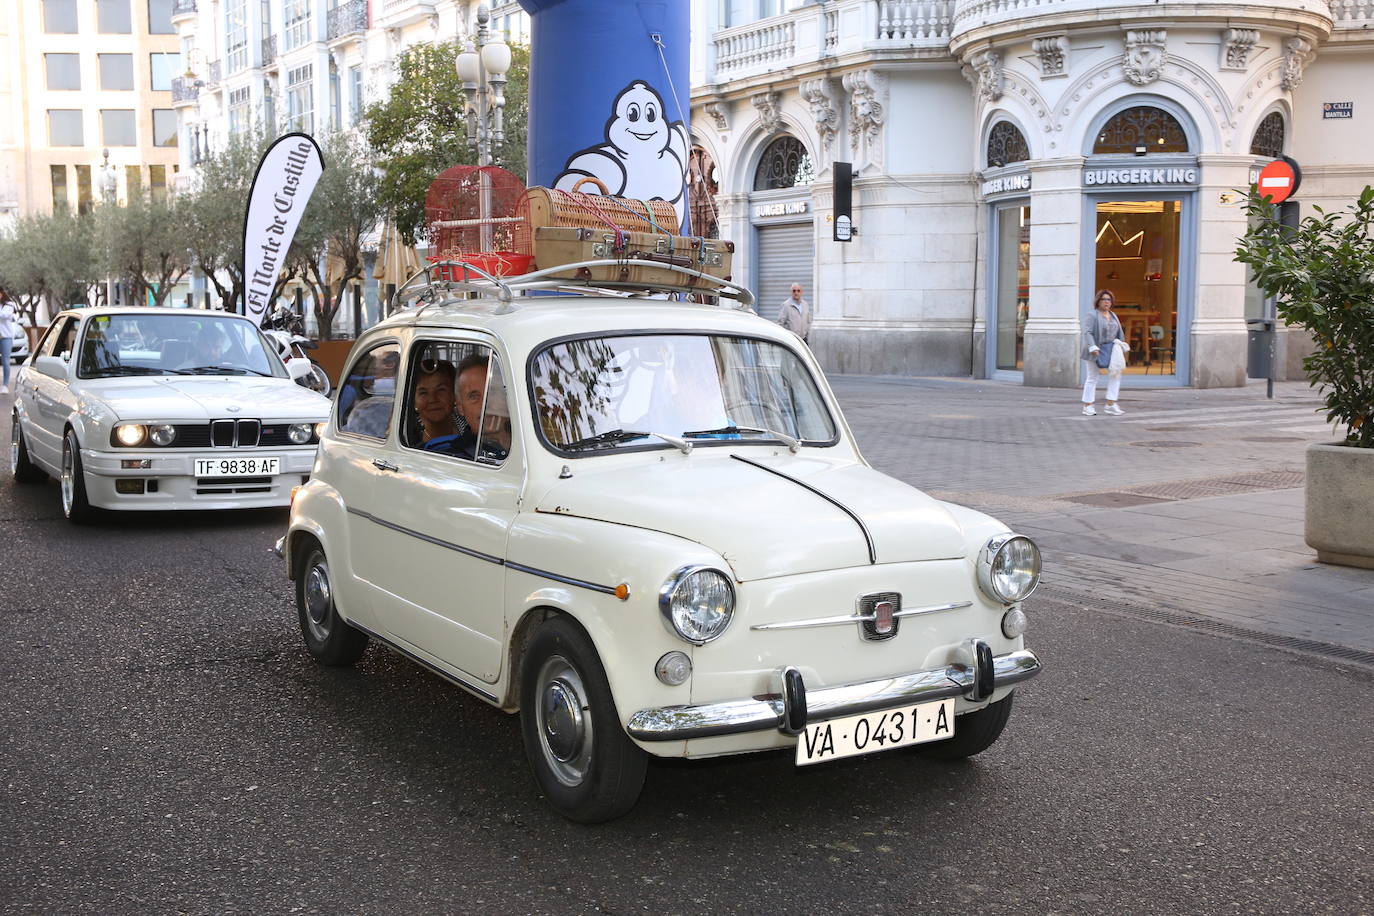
787	255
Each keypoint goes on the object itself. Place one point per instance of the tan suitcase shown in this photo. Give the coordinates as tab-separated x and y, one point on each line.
573	209
555	246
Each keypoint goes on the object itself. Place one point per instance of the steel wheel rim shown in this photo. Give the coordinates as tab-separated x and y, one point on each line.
68	478
318	601
564	721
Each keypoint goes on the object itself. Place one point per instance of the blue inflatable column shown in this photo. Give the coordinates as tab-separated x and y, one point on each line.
609	96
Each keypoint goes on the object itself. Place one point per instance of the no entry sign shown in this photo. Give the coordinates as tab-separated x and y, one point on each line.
1279	180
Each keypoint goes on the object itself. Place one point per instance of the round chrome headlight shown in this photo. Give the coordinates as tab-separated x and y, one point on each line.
1009	568
697	603
299	433
131	435
162	434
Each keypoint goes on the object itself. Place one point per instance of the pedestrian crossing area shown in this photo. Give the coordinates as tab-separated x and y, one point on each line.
1270	419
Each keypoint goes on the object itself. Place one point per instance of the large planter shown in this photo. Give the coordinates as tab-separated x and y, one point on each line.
1340	504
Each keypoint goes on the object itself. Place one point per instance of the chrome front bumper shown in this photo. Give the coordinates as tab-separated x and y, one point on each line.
793	706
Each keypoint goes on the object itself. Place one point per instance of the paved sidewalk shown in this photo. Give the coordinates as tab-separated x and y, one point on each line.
1188	508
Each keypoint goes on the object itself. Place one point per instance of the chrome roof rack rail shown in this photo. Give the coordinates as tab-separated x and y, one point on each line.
425	288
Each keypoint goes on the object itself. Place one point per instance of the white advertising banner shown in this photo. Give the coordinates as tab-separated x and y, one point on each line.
286	178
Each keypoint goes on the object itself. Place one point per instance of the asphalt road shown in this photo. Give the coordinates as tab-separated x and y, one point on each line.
167	746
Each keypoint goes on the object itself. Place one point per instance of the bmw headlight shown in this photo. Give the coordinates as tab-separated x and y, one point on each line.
162	434
697	603
1009	568
299	433
130	435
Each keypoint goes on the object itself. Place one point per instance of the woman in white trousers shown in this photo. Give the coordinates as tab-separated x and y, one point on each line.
1099	328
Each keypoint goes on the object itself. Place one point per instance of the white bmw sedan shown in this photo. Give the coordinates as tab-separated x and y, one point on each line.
159	408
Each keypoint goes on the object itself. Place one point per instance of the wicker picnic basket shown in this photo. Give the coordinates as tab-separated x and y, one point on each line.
541	207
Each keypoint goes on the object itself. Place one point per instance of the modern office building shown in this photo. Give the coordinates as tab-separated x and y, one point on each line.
79	78
1011	158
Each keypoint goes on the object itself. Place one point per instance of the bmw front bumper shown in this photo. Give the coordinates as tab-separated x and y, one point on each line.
793	706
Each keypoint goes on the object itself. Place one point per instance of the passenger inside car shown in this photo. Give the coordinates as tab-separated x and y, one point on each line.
484	406
442	428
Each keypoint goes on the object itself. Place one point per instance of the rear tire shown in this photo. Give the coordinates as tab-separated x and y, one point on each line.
328	637
974	732
588	768
22	468
75	506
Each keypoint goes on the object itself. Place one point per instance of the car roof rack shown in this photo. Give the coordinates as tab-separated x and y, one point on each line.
426	289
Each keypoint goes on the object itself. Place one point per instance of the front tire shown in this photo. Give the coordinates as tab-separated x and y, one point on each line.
22	468
328	637
587	767
75	506
318	379
974	732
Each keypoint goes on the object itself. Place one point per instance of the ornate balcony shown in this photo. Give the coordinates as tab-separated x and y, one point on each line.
347	19
812	35
396	13
984	22
185	91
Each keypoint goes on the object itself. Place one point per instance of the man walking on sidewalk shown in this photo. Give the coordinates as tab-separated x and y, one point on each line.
795	313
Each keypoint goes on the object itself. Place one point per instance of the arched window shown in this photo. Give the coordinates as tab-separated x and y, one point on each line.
785	164
1154	129
1006	145
1268	139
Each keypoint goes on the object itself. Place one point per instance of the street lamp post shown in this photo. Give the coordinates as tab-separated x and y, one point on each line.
482	68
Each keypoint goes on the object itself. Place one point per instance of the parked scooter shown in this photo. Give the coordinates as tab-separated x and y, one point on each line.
284	328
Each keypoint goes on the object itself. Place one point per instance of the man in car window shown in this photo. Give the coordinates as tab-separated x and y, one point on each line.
472	393
208	348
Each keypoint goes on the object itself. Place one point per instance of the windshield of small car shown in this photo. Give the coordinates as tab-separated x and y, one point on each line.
196	343
605	393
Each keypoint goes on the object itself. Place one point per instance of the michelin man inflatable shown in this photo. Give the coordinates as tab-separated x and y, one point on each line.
628	58
644	156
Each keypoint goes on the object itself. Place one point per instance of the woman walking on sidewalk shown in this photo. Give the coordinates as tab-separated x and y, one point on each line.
1102	334
9	328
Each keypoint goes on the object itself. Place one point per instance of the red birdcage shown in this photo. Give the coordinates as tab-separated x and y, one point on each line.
472	215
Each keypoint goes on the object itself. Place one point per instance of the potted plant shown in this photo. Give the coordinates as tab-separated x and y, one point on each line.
1322	271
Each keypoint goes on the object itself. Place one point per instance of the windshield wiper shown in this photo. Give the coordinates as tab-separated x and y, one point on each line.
626	435
202	370
791	442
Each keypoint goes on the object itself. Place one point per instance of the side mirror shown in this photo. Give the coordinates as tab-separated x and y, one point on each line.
51	366
298	367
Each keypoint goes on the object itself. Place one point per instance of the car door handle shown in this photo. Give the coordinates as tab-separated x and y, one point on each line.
383	465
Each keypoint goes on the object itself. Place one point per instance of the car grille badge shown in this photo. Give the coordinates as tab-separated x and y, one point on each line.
878	615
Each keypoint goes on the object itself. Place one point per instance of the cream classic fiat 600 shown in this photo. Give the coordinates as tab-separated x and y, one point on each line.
643	525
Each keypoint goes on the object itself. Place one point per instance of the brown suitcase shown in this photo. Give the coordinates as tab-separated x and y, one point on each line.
555	246
573	209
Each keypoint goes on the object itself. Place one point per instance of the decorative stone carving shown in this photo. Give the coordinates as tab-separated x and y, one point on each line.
1052	50
717	116
1144	55
1296	53
770	113
1235	47
867	110
819	94
988	65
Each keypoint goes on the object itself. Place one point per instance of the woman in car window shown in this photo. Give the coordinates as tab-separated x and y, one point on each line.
441	427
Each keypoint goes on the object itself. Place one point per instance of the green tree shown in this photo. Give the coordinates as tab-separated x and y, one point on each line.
49	258
420	129
1322	272
144	242
326	254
